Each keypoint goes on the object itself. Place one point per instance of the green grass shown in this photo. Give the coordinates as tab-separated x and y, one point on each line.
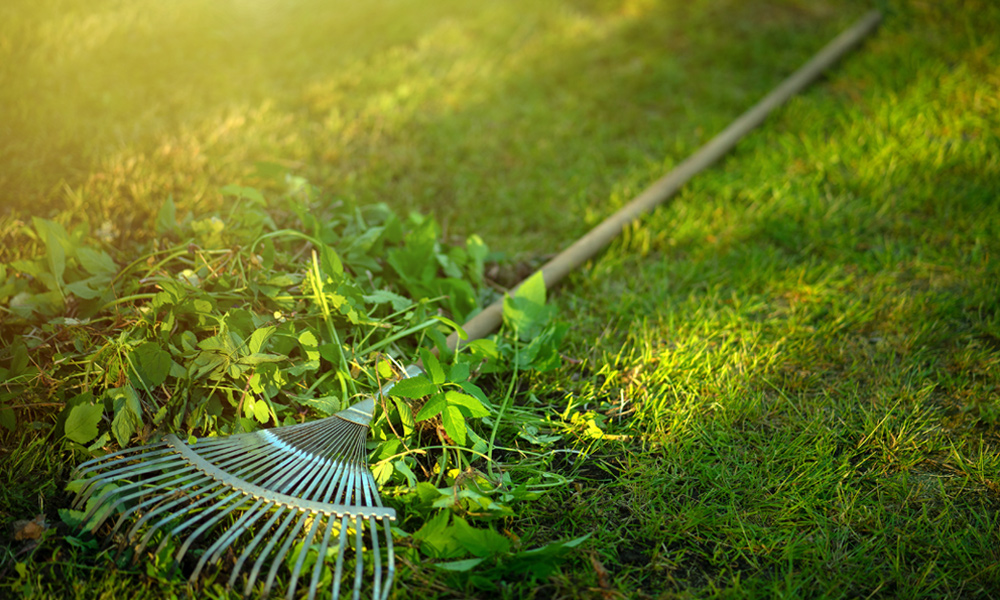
796	363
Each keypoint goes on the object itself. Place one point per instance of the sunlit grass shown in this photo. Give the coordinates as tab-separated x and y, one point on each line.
796	360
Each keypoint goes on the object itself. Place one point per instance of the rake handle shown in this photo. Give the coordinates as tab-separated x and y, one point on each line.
600	236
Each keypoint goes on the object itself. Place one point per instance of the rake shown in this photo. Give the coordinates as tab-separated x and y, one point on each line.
312	480
302	485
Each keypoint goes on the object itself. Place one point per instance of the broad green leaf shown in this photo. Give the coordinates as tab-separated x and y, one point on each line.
151	364
435	405
405	415
383	296
82	421
479	542
533	289
475	391
541	562
258	337
8	420
248	193
96	262
309	345
459	372
432	365
330	262
459	566
261	411
128	413
477	251
470	405
384	369
56	256
402	467
413	387
261	358
331	353
526	311
86	289
454	424
166	218
240	322
436	538
382	472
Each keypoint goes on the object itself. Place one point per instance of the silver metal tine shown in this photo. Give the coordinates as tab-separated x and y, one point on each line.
308	479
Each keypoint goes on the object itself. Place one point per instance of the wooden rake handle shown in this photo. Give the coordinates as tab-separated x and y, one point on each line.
600	236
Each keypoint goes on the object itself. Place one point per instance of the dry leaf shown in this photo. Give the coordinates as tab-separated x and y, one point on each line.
29	530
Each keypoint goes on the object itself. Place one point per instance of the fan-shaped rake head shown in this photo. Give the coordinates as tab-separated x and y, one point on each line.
255	495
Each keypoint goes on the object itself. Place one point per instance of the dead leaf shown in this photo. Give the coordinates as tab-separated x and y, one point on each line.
30	530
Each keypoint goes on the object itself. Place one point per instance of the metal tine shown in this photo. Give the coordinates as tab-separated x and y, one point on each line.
254	542
249	517
211	522
391	566
130	536
321	556
103	500
122	473
84	468
198	516
278	558
330	486
156	496
359	565
376	557
309	484
338	570
266	552
338	443
173	517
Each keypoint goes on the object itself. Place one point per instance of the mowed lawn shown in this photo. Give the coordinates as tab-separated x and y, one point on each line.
784	383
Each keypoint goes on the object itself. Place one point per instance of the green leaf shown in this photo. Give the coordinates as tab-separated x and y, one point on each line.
459	372
330	262
56	256
434	406
151	364
166	218
8	420
526	312
479	542
96	262
454	424
383	296
436	537
248	193
402	467
258	337
261	411
405	415
309	345
260	358
470	405
432	365
462	335
384	369
82	421
533	289
459	565
413	387
85	288
128	413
